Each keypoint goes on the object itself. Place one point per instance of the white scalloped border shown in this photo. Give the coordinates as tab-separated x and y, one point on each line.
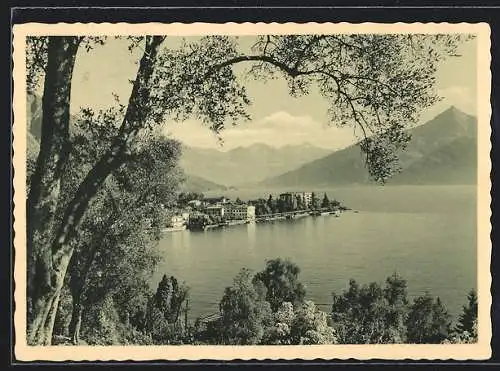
245	28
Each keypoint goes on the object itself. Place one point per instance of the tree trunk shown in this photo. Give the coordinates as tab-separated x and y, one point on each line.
57	258
79	267
49	281
46	180
76	321
51	318
134	119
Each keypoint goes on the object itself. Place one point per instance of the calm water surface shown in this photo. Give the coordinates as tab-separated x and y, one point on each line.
425	233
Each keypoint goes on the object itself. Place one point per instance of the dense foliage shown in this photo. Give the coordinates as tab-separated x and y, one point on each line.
383	314
363	314
281	280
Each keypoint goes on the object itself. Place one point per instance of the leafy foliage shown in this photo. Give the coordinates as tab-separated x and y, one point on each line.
468	318
102	323
36	59
169	298
281	279
307	325
377	84
465	337
244	311
310	326
186	87
371	313
428	321
279	332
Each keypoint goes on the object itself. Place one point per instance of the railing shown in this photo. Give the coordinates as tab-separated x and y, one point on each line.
209	317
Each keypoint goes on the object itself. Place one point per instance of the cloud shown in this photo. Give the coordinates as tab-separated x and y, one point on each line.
277	129
286	120
193	133
462	97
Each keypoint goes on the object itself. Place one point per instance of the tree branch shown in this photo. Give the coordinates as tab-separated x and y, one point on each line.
249	58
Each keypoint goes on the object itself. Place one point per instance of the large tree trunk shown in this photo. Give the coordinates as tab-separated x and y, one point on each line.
76	319
61	249
46	180
49	281
76	287
137	111
79	267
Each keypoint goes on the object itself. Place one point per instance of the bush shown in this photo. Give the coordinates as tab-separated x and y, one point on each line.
244	311
428	321
370	313
281	279
102	324
132	336
307	325
468	318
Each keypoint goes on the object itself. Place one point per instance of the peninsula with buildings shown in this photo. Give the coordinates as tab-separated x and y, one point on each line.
196	212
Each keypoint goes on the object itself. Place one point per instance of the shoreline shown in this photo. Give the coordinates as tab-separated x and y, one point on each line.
271	218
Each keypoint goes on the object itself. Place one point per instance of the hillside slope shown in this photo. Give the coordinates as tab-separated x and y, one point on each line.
198	184
442	151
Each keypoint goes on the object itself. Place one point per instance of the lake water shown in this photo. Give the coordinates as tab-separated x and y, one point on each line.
425	233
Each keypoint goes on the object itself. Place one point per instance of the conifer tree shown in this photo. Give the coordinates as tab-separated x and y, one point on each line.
326	202
469	314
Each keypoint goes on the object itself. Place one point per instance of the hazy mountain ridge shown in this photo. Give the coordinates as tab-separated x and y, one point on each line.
247	164
195	183
442	151
34	115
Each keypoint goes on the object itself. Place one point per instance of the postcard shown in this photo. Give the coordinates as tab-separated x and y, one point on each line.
252	191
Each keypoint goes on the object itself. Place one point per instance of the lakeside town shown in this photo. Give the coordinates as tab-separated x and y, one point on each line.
197	212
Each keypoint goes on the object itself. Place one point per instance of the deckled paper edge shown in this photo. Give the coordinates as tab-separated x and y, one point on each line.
480	350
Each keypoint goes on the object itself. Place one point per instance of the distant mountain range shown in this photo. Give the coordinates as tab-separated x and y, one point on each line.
250	164
442	151
193	183
198	184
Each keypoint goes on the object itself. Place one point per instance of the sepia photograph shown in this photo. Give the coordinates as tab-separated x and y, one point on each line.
251	191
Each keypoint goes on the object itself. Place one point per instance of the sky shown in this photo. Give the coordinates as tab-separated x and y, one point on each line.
277	118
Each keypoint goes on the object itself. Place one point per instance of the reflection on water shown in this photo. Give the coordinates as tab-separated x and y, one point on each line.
433	248
251	230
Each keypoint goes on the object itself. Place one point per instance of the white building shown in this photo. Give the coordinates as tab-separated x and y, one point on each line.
194	203
215	211
177	221
217	201
307	198
240	212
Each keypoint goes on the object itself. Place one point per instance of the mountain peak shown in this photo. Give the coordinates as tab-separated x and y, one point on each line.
456	112
441	151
